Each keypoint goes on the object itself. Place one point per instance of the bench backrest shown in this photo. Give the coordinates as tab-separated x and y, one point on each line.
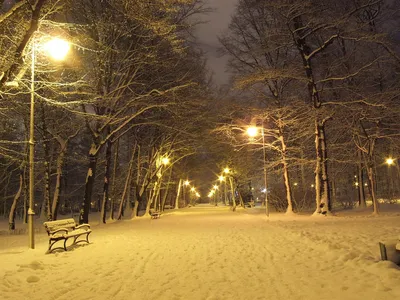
54	225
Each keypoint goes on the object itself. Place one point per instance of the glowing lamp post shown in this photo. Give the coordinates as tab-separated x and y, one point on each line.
222	179
253	132
57	49
186	183
193	192
389	161
165	161
217	194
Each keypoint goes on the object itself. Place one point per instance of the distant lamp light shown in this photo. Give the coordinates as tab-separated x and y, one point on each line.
264	190
193	189
198	195
215	187
221	178
252	131
312	185
186	183
365	184
389	161
295	184
165	161
356	184
227	171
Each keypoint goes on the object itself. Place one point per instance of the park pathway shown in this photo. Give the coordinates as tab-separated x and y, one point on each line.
208	253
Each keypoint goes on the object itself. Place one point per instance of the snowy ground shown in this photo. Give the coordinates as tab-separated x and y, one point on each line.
211	253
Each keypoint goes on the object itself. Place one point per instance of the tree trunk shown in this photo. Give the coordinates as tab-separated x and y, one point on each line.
326	197
11	218
178	192
225	194
90	177
45	212
154	196
127	186
304	183
115	166
370	171
360	179
135	209
240	198
317	170
106	184
59	179
286	175
164	198
233	194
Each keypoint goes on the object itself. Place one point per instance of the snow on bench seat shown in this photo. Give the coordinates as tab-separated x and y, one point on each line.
62	230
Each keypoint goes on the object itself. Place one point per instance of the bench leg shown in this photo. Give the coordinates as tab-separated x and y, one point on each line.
65	244
85	240
52	242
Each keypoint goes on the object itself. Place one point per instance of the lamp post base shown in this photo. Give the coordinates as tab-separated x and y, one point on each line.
31	214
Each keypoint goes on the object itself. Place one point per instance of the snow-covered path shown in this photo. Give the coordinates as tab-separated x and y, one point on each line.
209	254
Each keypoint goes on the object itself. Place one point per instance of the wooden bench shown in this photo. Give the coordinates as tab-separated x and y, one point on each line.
155	214
62	230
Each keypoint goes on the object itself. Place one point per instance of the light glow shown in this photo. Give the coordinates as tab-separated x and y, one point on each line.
165	161
252	131
389	161
57	48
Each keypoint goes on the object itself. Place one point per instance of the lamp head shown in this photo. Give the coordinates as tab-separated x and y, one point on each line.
57	48
252	131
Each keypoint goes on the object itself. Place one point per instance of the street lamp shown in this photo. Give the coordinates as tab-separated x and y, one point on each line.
186	183
221	179
57	49
165	161
389	161
252	132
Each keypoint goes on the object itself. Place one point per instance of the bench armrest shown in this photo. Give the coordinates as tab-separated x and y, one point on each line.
83	226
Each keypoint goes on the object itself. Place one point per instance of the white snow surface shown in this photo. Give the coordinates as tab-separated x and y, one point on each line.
211	253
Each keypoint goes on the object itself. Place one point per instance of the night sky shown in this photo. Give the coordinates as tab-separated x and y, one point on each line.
218	21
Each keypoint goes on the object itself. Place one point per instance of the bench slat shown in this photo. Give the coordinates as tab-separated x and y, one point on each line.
54	225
